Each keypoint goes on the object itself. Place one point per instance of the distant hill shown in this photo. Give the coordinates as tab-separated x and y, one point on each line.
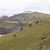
27	17
17	21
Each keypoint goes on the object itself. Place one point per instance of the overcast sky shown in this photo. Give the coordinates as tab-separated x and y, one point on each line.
10	7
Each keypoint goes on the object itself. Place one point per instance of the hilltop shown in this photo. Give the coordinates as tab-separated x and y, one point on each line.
26	17
30	38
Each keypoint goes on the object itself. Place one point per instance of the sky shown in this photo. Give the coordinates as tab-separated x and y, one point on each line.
11	7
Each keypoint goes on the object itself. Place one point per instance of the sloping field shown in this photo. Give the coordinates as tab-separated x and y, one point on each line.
30	38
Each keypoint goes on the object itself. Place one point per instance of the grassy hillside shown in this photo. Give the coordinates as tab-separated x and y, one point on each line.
7	23
29	38
13	22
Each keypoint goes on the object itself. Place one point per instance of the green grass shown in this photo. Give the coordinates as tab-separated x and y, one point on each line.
8	23
13	22
28	38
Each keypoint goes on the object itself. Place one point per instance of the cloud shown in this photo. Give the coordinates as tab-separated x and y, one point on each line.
17	6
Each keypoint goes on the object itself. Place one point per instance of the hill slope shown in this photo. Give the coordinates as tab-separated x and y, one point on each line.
29	38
